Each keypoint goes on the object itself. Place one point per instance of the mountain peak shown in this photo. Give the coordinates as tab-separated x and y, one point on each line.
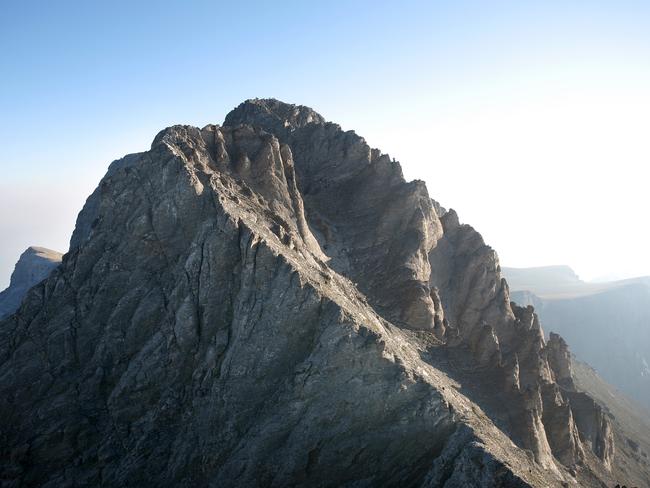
273	114
269	303
34	265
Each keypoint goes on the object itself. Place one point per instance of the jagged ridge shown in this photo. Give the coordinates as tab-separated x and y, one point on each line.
278	306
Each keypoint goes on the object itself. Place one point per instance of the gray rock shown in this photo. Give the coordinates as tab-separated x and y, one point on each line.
34	265
269	303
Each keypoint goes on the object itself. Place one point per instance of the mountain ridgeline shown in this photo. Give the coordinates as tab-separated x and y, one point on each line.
269	303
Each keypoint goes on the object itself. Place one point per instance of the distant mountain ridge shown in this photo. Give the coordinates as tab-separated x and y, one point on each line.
560	281
606	323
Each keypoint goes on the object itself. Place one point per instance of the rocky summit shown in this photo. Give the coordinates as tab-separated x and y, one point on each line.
34	265
268	303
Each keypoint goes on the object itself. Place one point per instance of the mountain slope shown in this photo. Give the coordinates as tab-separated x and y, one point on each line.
607	324
269	303
633	428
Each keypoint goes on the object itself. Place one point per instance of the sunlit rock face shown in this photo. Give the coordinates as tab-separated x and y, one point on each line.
34	265
269	303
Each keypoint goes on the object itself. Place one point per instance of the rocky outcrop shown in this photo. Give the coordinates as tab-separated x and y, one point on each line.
630	426
559	359
34	265
605	323
560	427
269	303
594	425
374	227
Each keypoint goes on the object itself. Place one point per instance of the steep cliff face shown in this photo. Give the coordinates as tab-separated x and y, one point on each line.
33	266
417	268
269	303
631	428
375	228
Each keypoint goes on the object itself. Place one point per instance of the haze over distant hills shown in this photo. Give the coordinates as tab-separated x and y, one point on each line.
607	324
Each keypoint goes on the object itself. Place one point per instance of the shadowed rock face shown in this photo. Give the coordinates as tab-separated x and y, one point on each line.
269	303
34	265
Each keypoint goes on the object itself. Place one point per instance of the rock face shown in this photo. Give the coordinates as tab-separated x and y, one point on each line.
630	421
269	303
34	265
605	323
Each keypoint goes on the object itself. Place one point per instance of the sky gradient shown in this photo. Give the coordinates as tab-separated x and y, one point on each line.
528	118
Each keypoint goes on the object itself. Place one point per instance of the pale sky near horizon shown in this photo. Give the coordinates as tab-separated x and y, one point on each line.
528	118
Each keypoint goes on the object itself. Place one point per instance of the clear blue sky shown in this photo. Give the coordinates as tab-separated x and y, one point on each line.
477	98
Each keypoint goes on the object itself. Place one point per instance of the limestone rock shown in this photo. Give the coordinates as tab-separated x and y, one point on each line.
34	265
559	360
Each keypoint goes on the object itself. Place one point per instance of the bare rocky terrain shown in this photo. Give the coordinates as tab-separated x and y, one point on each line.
34	265
607	324
632	428
269	303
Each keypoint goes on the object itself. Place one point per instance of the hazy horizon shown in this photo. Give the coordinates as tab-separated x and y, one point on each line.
529	120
